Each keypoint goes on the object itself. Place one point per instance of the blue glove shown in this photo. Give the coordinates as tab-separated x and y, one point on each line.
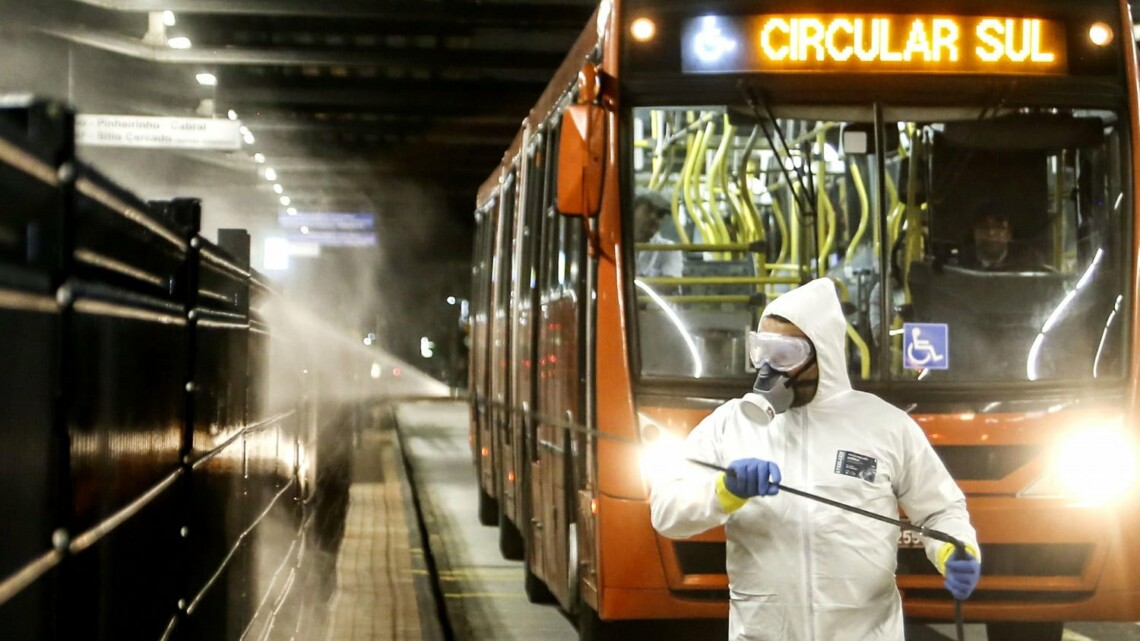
752	477
962	574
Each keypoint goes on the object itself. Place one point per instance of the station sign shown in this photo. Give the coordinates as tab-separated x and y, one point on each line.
330	229
872	43
331	238
361	221
150	132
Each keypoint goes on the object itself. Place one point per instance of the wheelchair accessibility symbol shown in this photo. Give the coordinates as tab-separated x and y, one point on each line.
926	346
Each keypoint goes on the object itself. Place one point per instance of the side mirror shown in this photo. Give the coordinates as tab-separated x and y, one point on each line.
580	152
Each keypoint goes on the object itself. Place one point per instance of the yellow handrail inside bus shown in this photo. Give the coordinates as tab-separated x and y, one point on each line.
856	339
781	222
747	223
821	206
708	206
864	351
718	183
658	161
914	230
692	186
864	210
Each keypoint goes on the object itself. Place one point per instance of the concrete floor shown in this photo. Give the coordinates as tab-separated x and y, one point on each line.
483	592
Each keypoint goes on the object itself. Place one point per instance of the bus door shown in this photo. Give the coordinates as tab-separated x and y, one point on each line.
499	341
525	332
561	368
480	307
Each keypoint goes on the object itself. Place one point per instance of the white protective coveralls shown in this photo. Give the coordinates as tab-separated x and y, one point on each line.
799	570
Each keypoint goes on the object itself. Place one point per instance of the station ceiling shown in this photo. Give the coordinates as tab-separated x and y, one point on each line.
352	100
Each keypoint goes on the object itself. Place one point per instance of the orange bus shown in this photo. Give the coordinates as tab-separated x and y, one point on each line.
964	172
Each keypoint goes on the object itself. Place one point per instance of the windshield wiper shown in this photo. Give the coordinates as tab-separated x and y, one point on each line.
805	196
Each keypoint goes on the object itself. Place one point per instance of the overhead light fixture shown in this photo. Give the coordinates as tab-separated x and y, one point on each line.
207	79
249	139
181	42
259	158
292	211
168	18
232	114
304	229
278	189
270	174
285	201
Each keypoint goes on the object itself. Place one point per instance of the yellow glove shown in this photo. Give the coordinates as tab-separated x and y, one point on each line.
947	551
729	502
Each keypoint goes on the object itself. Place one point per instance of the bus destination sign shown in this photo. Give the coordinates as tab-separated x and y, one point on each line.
873	43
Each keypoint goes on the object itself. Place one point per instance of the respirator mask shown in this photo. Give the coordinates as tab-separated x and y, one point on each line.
774	356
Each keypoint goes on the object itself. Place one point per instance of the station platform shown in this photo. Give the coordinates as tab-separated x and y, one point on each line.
387	586
380	557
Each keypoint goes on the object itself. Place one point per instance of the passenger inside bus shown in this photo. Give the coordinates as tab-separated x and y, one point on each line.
649	208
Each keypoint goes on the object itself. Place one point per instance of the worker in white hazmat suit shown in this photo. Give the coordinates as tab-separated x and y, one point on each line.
799	570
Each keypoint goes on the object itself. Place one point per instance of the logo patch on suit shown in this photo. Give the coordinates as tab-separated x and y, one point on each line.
857	465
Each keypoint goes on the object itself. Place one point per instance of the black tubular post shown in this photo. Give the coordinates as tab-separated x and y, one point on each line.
885	293
185	215
51	126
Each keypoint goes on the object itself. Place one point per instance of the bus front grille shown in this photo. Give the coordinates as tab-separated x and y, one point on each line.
700	557
1012	559
985	462
999	559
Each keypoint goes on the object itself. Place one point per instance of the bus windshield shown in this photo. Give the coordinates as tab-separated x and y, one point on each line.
972	244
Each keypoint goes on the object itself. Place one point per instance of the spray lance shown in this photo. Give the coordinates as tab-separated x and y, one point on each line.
959	546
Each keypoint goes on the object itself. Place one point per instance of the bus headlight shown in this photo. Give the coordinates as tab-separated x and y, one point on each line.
662	451
662	458
1096	464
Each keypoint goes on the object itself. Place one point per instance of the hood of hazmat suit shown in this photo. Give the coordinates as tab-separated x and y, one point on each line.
799	570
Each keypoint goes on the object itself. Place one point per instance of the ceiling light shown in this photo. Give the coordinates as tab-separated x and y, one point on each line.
292	211
168	18
207	79
304	230
232	114
181	42
249	139
285	201
278	189
270	174
259	158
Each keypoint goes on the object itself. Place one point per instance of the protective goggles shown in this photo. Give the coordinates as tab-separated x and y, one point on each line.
782	353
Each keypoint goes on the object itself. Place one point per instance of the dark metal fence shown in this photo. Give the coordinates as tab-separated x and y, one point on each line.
148	489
